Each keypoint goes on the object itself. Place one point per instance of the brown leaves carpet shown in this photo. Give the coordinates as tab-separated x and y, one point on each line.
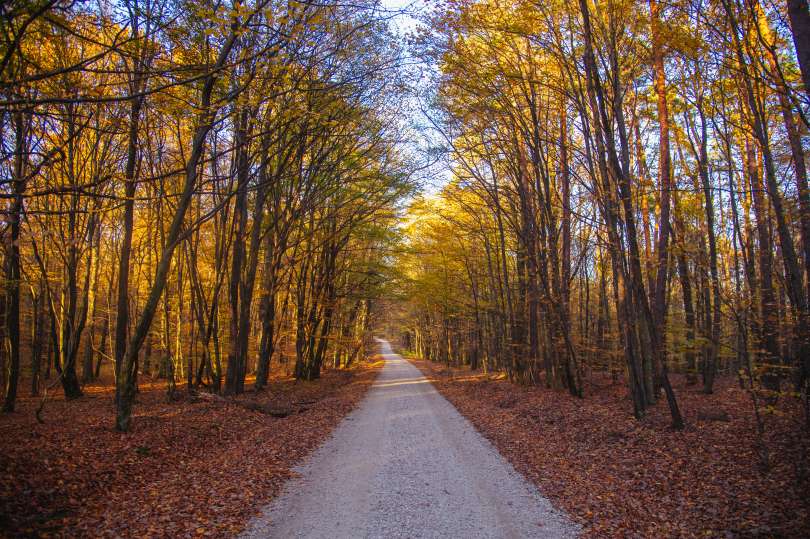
198	467
203	467
625	478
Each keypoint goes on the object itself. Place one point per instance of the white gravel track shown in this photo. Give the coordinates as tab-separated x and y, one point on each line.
407	464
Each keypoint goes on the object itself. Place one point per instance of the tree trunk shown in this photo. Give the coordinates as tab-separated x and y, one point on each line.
799	18
126	379
13	274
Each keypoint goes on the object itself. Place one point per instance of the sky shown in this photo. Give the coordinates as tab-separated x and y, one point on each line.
404	23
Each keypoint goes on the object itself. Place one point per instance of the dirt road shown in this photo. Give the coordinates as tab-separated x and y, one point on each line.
407	464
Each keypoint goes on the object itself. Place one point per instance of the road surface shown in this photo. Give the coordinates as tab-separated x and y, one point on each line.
407	464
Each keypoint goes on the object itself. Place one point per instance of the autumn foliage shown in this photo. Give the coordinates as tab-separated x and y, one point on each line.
605	201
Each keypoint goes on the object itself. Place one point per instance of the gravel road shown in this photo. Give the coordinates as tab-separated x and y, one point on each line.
407	464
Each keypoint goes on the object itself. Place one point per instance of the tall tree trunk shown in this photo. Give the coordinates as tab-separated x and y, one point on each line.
267	312
665	186
87	363
799	18
126	379
37	323
236	361
769	348
13	274
611	166
710	365
130	184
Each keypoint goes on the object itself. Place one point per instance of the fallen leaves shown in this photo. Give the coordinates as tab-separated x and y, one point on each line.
200	467
620	477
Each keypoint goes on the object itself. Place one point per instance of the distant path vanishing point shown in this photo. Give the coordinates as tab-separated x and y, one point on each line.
407	464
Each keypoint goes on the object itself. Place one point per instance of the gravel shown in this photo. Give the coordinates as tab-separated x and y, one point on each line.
407	464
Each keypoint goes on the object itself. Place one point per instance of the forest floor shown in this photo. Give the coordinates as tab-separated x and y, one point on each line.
621	477
199	466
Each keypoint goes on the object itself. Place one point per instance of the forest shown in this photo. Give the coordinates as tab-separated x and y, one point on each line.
192	187
628	196
210	208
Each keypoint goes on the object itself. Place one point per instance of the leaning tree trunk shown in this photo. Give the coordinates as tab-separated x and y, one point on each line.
126	380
